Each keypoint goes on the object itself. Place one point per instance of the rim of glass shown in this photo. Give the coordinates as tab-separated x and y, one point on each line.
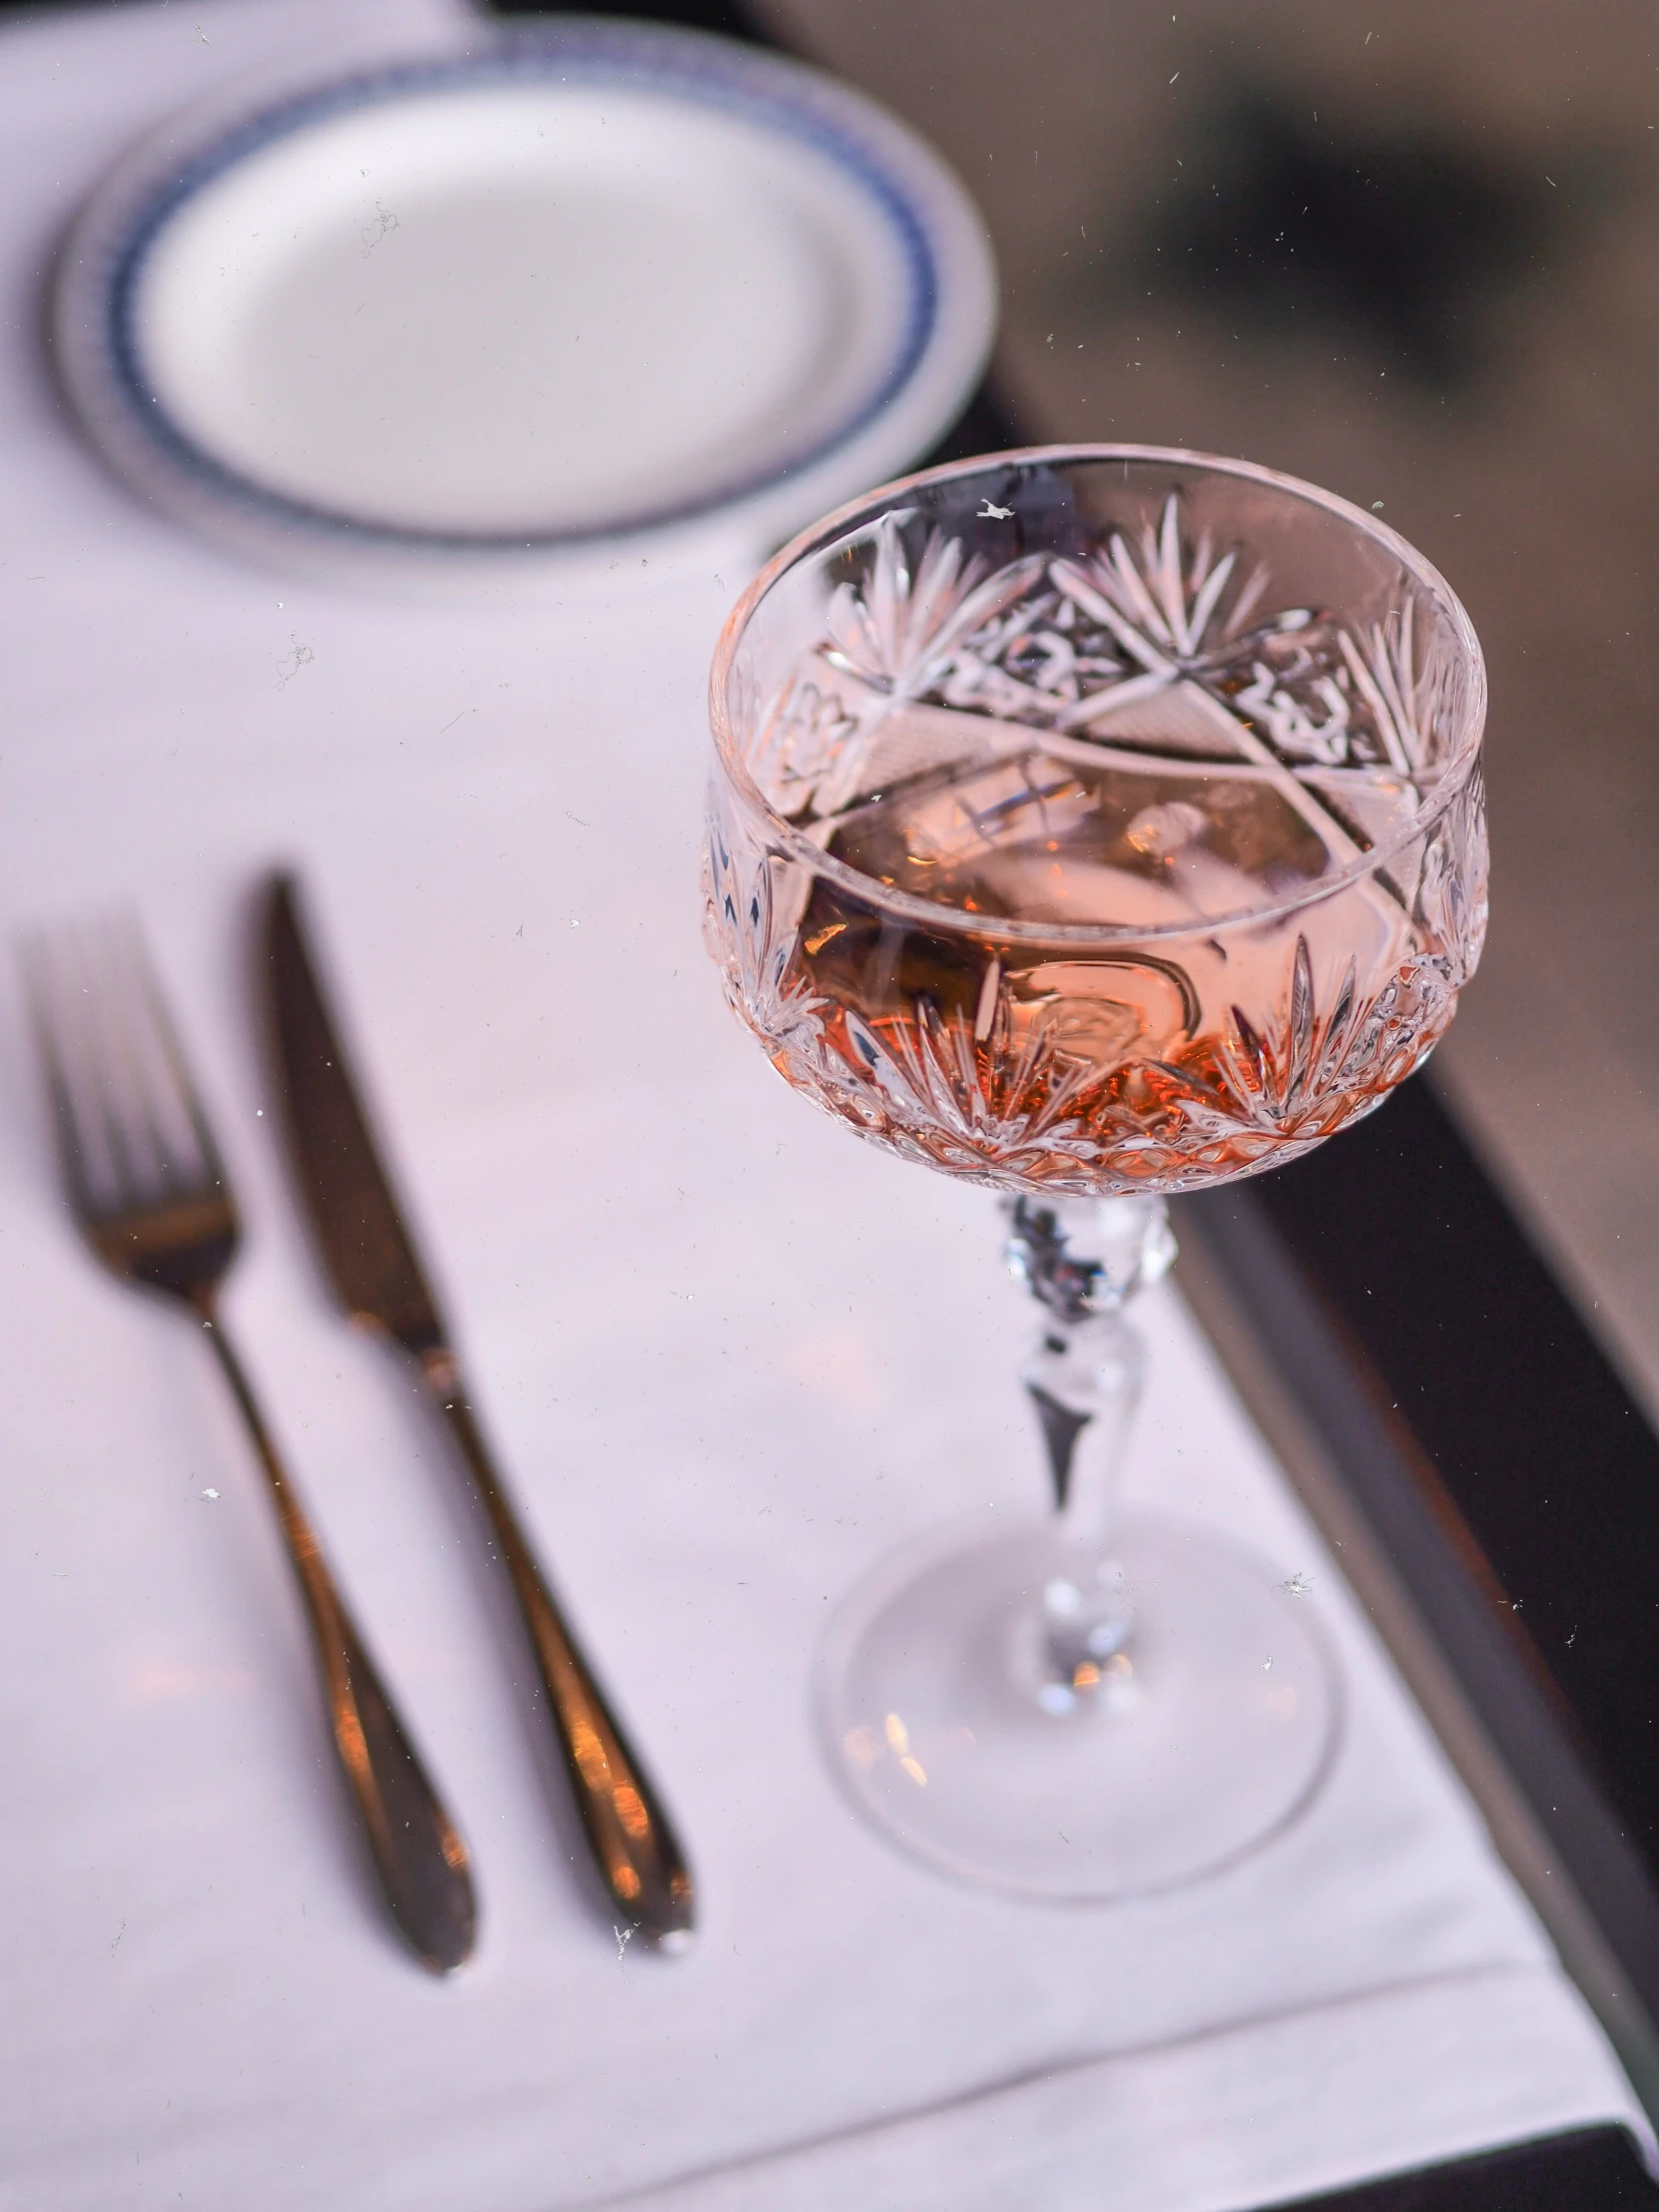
818	536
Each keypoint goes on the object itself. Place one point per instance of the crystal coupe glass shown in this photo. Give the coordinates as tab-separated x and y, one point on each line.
1092	822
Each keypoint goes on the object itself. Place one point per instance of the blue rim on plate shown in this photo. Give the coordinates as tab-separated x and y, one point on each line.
943	331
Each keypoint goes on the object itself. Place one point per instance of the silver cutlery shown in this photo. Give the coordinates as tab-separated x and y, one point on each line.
150	1193
369	1252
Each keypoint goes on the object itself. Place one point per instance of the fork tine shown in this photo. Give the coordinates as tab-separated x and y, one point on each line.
186	1094
101	1081
132	1129
149	1080
39	963
109	1062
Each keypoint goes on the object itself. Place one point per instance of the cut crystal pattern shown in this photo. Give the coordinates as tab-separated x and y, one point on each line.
1070	646
901	630
755	956
1022	1114
950	711
989	1109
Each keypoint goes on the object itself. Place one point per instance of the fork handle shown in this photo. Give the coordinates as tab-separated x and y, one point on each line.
419	1855
630	1836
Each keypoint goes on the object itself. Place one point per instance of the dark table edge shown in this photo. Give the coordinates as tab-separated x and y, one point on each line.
1581	2170
1369	1495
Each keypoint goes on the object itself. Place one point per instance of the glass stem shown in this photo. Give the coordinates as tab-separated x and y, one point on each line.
1084	1381
1082	1260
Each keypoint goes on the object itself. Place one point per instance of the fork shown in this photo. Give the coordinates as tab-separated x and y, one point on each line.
150	1193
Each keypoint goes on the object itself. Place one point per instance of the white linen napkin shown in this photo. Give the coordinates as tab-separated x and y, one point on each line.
731	1356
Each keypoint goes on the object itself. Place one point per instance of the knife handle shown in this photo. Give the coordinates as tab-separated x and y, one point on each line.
631	1837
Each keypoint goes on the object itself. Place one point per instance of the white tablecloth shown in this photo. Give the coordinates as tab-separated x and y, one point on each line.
731	1356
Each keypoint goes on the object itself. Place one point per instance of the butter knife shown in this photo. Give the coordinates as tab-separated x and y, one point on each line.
371	1258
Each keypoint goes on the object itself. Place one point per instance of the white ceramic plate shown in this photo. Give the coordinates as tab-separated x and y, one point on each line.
564	289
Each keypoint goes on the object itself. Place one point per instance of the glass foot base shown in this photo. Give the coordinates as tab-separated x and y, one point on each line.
1207	1734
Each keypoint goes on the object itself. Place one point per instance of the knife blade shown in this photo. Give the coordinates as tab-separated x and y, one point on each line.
367	1250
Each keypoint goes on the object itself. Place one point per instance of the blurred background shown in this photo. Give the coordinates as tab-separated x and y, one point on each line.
1411	252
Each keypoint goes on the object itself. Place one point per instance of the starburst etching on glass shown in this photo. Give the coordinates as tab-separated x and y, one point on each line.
1073	644
970	1096
755	956
964	725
